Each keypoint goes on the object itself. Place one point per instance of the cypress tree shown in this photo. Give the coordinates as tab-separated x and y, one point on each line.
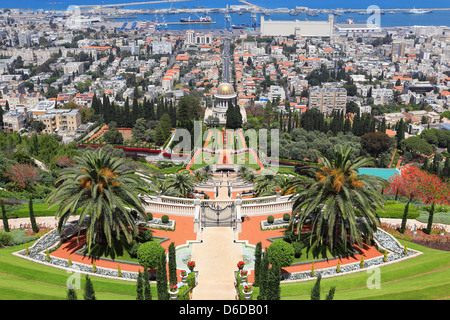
172	265
315	291
263	282
161	279
404	218
125	121
430	218
330	294
71	294
147	289
34	226
272	287
4	217
258	253
89	293
383	125
139	285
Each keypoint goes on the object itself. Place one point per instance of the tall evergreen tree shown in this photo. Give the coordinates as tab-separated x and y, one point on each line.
172	265
330	294
383	125
71	294
400	132
89	293
272	287
161	279
404	218
126	114
315	291
4	217
34	225
263	282
139	286
147	288
257	270
430	218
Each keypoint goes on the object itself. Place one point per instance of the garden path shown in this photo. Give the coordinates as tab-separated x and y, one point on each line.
215	260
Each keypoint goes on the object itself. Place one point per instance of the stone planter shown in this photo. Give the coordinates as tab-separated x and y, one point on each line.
247	295
173	295
184	279
243	278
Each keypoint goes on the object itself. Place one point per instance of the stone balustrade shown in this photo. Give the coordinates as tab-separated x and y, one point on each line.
246	207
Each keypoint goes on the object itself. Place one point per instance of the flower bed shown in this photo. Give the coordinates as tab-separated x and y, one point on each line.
157	223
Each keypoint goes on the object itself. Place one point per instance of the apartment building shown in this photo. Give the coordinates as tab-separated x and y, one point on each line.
14	121
60	120
327	99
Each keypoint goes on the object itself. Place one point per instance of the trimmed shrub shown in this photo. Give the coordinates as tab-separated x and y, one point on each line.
281	252
286	217
270	219
6	239
297	249
165	219
149	254
150	216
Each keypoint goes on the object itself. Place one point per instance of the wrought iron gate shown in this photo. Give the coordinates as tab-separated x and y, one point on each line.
215	216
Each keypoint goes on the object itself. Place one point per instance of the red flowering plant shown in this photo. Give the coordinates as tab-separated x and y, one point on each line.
240	265
23	175
247	288
191	265
422	185
173	288
243	273
183	273
64	162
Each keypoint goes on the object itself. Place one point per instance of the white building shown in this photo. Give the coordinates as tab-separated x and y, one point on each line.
297	28
162	47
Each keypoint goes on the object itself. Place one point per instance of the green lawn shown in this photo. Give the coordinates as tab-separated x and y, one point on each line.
21	279
22	211
246	159
395	210
423	278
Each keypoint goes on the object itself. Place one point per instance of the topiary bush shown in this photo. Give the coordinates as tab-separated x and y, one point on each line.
270	219
286	217
150	216
165	219
281	252
297	249
149	254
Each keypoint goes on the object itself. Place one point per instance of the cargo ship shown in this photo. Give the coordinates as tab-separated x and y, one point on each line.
206	19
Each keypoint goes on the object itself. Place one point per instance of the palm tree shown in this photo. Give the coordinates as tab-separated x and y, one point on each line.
102	188
243	172
265	184
181	184
340	204
286	184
